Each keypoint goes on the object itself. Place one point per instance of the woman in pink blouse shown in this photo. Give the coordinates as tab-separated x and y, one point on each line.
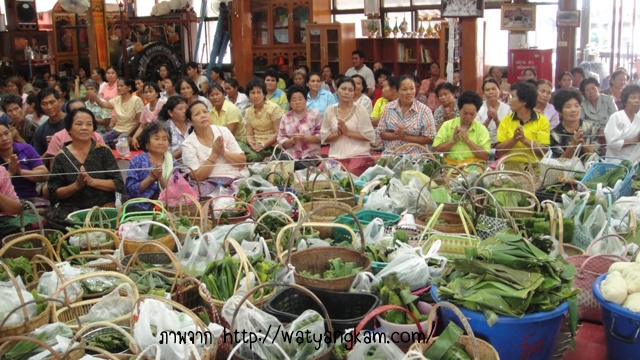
299	132
347	128
150	111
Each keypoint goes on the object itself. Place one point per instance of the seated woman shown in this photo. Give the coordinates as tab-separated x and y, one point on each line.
84	174
210	151
598	107
543	106
524	131
359	97
623	129
237	98
572	131
262	122
617	81
127	109
389	94
406	120
300	127
174	113
492	109
448	108
379	76
190	92
22	162
317	98
272	93
224	113
150	111
346	127
148	172
462	139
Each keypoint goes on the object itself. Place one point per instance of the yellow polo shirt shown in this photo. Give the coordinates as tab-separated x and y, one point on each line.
460	152
229	114
378	107
537	129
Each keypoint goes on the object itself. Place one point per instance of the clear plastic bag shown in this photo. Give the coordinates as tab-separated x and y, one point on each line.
111	306
311	243
197	252
309	322
375	351
49	282
9	294
363	283
378	200
374	232
411	266
376	172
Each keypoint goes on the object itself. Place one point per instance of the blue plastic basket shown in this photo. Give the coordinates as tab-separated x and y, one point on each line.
621	327
604	167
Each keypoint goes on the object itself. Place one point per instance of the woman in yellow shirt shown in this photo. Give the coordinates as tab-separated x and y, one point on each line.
224	113
263	122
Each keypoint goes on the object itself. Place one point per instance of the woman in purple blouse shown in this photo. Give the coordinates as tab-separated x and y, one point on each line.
23	163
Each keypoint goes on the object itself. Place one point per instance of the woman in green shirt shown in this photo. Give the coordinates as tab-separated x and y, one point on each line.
462	139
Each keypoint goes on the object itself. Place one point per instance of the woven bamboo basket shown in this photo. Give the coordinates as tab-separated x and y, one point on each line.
109	263
13	246
452	246
68	313
233	215
246	267
158	211
187	205
89	330
508	163
316	260
327	215
302	185
522	211
332	194
31	323
326	355
110	244
130	246
478	348
37	245
290	198
208	352
42	261
6	343
271	239
192	210
282	240
49	253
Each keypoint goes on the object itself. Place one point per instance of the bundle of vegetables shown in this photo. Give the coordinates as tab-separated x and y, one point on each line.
507	275
151	282
538	227
394	292
425	165
24	349
610	178
110	340
337	269
19	266
219	277
266	271
383	250
447	346
345	184
622	285
183	224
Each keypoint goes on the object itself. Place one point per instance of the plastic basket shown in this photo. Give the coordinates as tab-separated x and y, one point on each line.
602	168
365	217
289	303
621	327
78	218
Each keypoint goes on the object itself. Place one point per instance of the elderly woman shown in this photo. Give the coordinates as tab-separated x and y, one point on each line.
150	111
623	128
22	162
83	174
462	139
211	151
262	122
524	131
543	105
572	131
299	77
359	97
617	81
148	172
224	113
448	108
300	127
190	92
174	113
492	109
598	107
347	129
406	120
127	109
273	94
318	98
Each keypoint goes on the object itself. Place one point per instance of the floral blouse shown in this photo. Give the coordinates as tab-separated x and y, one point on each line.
100	164
262	121
309	124
438	115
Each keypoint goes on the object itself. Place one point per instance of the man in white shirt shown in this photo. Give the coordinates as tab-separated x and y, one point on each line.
357	59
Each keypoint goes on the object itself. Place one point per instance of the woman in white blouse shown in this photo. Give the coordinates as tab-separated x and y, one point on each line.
210	151
623	128
358	97
493	110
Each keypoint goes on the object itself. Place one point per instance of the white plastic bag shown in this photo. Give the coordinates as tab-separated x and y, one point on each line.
378	200
111	306
10	301
311	243
411	266
375	172
363	283
309	322
197	252
49	282
374	232
380	351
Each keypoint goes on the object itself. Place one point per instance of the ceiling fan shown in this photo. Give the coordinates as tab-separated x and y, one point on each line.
215	6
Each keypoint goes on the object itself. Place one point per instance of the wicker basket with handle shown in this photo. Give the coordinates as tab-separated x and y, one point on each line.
453	245
316	260
110	244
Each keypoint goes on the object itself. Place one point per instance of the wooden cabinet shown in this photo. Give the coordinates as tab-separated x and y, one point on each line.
279	31
12	52
330	44
405	55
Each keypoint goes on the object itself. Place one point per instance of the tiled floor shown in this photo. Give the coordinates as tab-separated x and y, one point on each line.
590	344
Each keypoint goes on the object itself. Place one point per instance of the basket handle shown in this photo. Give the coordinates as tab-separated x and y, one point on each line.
55	269
506	214
85	231
245	265
318	209
45	243
95	257
509	173
34	211
274	212
422	148
295	286
313	184
103	353
101	218
381	310
281	252
463	320
209	207
596	257
102	324
204	293
8	339
14	281
606	237
35	301
145	222
329	177
367	190
163	249
122	214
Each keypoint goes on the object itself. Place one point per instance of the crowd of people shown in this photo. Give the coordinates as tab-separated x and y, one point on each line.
57	135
